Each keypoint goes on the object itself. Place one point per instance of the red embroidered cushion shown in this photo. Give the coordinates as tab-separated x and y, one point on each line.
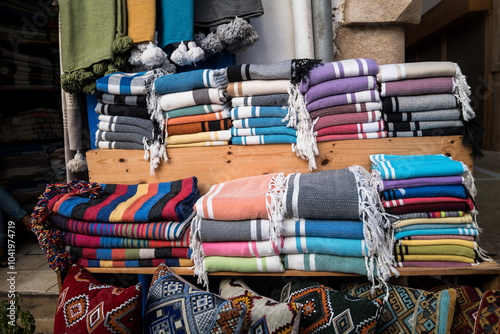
86	305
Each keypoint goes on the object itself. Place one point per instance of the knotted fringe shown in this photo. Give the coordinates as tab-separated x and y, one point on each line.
298	117
462	94
197	255
469	181
220	78
376	225
301	68
275	205
155	150
50	238
481	253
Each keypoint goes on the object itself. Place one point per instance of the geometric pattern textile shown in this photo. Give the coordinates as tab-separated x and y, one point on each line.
175	306
87	306
264	315
488	314
410	310
325	310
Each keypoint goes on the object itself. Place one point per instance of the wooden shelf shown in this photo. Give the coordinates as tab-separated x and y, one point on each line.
218	164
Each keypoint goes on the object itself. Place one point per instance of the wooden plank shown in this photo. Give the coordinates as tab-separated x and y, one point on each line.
484	268
218	164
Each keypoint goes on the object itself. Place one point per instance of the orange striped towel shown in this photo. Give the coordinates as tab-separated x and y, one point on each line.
198	118
188	128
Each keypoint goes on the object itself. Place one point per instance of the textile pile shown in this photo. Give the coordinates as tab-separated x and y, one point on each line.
31	124
323	221
335	225
343	100
264	107
427	99
432	200
235	228
124	119
116	225
24	71
191	108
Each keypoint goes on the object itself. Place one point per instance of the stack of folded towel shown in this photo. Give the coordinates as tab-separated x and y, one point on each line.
343	100
432	200
424	99
116	225
190	107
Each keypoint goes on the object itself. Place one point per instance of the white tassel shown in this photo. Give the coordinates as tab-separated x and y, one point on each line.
463	93
195	53
153	56
274	204
469	181
197	256
78	163
180	56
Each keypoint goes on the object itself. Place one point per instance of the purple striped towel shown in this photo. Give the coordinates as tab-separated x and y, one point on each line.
346	109
438	85
338	69
371	95
332	120
340	86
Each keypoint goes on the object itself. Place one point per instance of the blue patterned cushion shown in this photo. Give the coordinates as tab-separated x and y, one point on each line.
176	306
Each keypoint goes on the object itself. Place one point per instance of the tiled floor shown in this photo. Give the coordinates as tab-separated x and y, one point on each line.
35	278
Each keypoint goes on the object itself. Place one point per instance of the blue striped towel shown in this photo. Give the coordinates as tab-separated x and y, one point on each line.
264	139
180	82
121	83
257	111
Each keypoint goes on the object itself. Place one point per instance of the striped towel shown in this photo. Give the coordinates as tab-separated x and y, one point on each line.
191	98
340	86
201	144
272	130
270	100
190	128
193	110
118	145
190	80
249	112
442	85
257	87
346	109
267	264
143	263
262	122
371	95
365	135
198	118
420	182
419	102
351	128
237	230
321	245
431	115
344	229
264	139
417	126
223	135
343	119
241	248
121	110
129	100
452	131
325	262
425	191
121	83
338	69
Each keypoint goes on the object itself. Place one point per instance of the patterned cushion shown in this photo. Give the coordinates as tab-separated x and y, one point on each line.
87	306
488	314
264	315
410	310
176	306
325	310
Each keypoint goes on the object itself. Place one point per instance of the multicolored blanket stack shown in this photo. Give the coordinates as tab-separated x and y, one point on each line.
432	200
124	120
336	225
191	109
424	99
264	110
236	227
343	100
24	71
116	225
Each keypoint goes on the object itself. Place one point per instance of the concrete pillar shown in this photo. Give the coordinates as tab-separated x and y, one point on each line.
375	29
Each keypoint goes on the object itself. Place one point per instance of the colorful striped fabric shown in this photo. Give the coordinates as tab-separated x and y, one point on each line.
198	118
465	219
433	225
258	111
128	100
186	81
338	69
441	231
223	135
340	86
420	182
425	191
132	203
210	230
365	135
190	128
353	128
130	253
344	229
267	264
124	83
343	119
346	109
430	264
429	207
422	125
241	248
371	95
191	98
272	130
321	245
257	87
439	236
89	241
171	262
437	257
193	110
425	200
201	144
169	230
426	69
264	139
260	122
325	262
403	251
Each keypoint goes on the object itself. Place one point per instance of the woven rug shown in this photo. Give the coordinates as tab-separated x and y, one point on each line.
90	241
166	230
120	254
144	263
